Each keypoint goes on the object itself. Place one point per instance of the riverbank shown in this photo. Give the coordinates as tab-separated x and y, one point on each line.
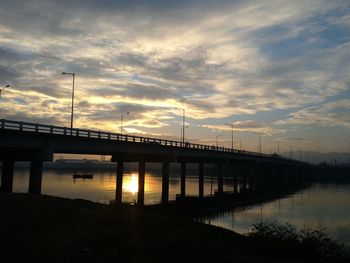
49	229
39	228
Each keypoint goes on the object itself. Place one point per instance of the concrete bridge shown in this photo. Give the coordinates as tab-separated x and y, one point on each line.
36	143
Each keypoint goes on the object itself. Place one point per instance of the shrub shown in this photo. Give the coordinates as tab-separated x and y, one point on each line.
306	243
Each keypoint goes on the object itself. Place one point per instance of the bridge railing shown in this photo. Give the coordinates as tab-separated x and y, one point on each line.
58	130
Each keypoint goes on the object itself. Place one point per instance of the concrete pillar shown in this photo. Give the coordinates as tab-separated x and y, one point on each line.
235	182
201	179
7	176
183	179
251	178
244	180
141	192
119	188
220	180
234	178
35	177
165	182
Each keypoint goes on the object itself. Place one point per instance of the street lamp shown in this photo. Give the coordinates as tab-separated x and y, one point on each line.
217	140
3	89
182	128
259	141
72	110
240	144
121	121
231	125
183	123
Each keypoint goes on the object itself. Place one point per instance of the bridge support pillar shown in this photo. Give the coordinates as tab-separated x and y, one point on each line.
201	180
235	181
220	179
35	177
165	182
183	179
251	178
141	192
235	184
119	188
7	176
244	181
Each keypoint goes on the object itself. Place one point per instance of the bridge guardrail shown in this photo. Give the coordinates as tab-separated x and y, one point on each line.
58	130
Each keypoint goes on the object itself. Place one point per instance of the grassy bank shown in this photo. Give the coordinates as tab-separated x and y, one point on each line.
48	229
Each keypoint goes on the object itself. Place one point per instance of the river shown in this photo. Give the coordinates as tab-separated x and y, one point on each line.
320	205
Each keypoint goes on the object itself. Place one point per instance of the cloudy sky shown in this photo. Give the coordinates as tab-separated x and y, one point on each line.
277	68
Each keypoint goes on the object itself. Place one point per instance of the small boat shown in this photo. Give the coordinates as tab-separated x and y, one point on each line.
83	176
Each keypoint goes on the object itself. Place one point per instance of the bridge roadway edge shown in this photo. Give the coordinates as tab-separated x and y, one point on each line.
39	147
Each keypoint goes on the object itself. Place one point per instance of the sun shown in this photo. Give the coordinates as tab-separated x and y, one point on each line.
131	184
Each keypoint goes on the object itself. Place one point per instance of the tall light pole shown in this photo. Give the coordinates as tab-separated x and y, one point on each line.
181	130
259	141
183	123
231	125
72	110
3	89
217	140
278	147
121	121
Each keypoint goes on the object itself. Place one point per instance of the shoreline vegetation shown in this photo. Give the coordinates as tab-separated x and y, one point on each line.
43	228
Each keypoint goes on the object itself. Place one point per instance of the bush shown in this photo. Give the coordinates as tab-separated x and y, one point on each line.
306	243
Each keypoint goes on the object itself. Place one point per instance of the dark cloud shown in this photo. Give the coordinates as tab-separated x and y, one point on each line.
136	91
35	118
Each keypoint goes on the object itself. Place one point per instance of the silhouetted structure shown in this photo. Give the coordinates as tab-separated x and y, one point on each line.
22	141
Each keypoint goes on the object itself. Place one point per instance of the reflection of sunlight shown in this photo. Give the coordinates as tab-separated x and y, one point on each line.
131	184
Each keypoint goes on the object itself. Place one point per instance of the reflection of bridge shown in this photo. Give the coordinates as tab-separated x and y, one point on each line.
22	141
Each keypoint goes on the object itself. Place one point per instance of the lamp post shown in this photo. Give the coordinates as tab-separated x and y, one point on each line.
121	121
259	141
182	129
240	145
217	140
72	110
3	89
260	144
183	123
231	125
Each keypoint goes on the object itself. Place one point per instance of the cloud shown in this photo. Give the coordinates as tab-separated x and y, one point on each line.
218	59
335	113
247	126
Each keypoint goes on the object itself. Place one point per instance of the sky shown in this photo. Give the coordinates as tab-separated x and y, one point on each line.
275	69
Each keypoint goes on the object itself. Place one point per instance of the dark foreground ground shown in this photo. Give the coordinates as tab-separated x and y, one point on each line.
49	229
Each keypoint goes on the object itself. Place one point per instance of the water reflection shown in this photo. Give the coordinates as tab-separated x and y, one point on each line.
130	184
102	187
319	206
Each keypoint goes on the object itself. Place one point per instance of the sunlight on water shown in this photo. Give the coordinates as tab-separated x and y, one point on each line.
102	187
321	205
131	184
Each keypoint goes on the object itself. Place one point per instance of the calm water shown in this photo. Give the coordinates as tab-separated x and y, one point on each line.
102	187
318	206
